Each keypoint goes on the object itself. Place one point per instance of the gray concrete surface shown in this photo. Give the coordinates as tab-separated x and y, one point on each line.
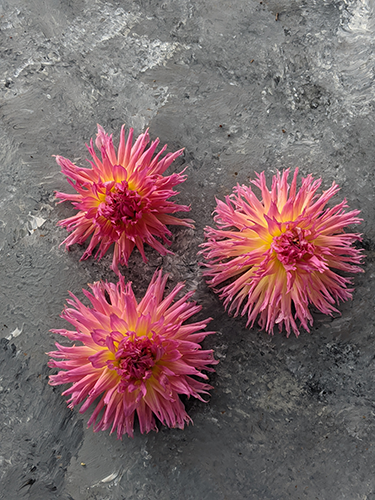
242	92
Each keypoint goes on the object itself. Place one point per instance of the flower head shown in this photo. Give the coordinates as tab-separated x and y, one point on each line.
123	198
276	256
136	357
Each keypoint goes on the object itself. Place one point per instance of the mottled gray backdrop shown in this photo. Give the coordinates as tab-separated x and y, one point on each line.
244	86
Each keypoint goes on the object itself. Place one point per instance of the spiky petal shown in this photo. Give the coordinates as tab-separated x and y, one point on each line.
136	357
275	256
123	198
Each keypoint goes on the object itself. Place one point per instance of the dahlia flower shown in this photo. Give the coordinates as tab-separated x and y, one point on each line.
122	198
275	256
135	358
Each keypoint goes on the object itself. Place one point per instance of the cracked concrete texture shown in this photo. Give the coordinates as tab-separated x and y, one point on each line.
242	92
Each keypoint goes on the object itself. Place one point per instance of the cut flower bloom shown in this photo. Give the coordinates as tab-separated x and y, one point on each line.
135	357
275	256
122	198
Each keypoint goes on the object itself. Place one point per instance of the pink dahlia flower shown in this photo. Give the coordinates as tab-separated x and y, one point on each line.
275	256
122	198
135	357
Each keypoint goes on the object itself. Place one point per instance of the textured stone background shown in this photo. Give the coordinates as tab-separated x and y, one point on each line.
242	92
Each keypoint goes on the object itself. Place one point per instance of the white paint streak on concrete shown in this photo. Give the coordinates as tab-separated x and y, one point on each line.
355	64
15	333
109	478
35	223
101	25
97	26
19	70
113	478
155	52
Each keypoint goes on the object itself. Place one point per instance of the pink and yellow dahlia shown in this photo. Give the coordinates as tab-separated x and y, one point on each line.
123	198
275	256
135	357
